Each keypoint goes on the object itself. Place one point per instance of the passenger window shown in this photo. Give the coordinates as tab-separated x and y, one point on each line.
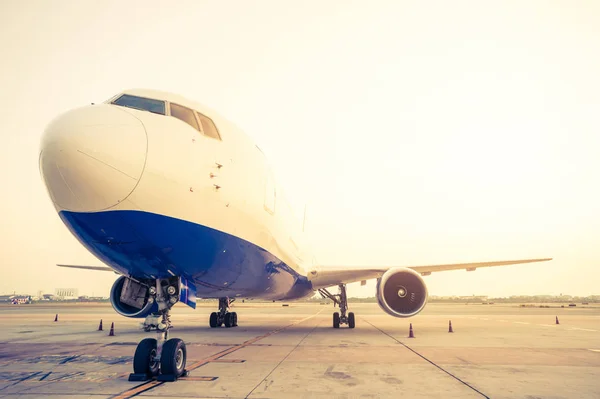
184	114
208	127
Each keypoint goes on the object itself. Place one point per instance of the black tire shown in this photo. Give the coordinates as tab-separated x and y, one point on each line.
235	324
336	320
143	360
173	357
214	320
228	320
351	322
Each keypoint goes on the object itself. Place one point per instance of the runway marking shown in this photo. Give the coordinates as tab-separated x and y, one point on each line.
148	385
283	360
427	360
228	361
244	344
191	378
143	387
594	350
548	325
44	377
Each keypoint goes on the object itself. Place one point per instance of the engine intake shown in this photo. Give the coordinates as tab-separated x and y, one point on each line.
401	292
130	298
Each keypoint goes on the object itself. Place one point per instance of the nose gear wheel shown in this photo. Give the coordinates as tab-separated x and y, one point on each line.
162	357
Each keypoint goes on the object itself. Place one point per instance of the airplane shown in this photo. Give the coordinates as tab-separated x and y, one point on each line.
182	204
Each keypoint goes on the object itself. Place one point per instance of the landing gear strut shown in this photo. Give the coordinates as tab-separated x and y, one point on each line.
342	301
224	316
162	357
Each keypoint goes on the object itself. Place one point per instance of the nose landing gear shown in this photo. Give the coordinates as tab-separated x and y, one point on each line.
342	301
161	358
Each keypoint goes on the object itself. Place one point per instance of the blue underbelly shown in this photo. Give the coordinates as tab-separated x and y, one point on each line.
148	245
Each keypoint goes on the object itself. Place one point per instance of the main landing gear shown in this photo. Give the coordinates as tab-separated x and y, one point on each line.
224	316
342	301
162	357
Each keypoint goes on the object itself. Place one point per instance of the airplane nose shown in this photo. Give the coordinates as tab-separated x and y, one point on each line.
92	158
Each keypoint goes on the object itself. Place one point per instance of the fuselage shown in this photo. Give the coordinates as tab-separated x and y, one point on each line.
159	192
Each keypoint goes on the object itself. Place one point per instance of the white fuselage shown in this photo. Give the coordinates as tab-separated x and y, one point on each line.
105	158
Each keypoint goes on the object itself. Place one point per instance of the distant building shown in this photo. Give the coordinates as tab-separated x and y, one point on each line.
474	298
97	298
66	293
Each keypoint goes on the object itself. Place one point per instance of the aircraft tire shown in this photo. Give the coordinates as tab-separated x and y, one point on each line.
234	315
228	320
351	321
173	357
214	322
143	360
336	320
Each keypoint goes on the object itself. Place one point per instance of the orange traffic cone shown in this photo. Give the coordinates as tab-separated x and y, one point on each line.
100	326
56	317
410	332
450	326
557	320
112	330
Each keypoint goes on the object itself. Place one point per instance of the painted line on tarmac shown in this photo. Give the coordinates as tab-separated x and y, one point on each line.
284	359
581	329
191	378
147	386
553	325
144	387
427	360
594	350
229	361
244	344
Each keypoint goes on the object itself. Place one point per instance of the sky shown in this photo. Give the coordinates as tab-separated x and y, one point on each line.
416	132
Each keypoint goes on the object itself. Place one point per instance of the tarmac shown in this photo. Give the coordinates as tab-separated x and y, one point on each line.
495	351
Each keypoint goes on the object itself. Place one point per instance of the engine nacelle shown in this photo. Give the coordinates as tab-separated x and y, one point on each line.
401	292
131	299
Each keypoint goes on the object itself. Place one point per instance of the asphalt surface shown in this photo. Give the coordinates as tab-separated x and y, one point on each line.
495	351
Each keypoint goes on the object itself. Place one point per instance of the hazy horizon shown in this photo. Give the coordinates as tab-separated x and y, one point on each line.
418	133
333	290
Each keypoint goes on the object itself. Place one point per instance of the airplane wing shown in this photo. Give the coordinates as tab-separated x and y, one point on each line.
97	268
323	277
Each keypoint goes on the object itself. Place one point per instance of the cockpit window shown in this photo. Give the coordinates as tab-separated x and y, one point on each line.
208	127
141	103
184	114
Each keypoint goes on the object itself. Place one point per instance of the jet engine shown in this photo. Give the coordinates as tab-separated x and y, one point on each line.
131	299
401	292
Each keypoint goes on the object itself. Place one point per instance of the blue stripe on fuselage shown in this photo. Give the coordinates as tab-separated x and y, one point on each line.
147	245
